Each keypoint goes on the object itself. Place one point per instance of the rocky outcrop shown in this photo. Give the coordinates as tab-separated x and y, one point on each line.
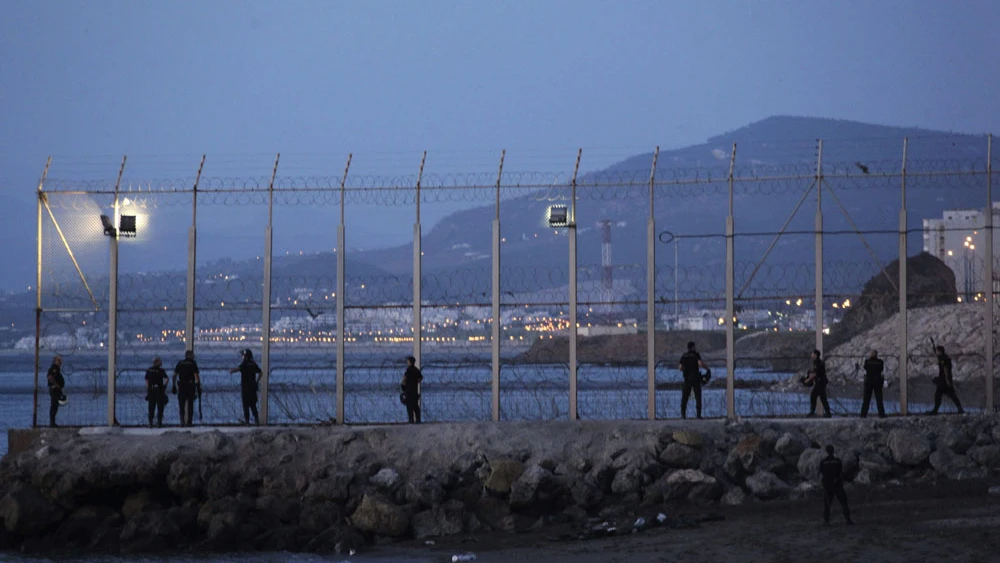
339	489
929	282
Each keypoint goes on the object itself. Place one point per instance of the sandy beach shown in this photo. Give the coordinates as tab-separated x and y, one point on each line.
948	522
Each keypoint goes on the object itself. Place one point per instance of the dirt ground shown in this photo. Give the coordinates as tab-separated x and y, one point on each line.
951	522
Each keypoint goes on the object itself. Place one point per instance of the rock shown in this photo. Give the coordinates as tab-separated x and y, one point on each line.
994	490
677	455
908	448
657	492
744	457
317	516
929	282
986	456
688	476
766	485
185	479
955	439
107	536
688	438
220	483
627	481
954	466
693	485
334	488
340	539
282	538
586	494
808	464
995	434
425	493
149	532
139	501
790	446
377	516
77	530
285	510
437	522
386	478
210	509
534	484
734	497
875	465
495	513
26	512
503	473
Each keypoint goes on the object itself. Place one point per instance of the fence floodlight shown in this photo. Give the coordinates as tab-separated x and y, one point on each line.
126	225
109	227
557	216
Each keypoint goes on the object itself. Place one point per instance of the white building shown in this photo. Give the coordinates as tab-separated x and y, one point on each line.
958	240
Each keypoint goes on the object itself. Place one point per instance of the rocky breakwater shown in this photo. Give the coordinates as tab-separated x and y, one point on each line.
341	489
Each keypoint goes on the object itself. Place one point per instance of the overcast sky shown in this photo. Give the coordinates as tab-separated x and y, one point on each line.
168	81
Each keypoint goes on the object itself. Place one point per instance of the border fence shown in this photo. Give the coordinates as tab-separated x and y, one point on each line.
759	254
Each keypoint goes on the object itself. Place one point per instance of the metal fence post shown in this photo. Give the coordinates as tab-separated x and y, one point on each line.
988	316
904	354
341	295
192	263
495	281
113	305
266	298
573	329
417	263
651	296
819	246
38	294
730	299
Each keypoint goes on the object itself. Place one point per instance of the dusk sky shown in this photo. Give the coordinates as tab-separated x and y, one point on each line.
165	82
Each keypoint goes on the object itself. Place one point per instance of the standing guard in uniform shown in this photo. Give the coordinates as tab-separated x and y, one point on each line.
410	386
156	391
874	380
55	381
187	383
250	375
831	472
689	363
817	378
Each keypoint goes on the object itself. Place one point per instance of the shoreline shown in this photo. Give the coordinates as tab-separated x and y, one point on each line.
333	489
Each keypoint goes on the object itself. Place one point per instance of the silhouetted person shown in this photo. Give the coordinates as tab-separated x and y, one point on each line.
156	391
250	374
55	382
689	363
874	382
187	382
831	472
410	386
817	377
944	382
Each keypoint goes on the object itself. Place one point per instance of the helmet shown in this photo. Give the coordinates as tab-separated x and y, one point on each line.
63	401
247	353
706	376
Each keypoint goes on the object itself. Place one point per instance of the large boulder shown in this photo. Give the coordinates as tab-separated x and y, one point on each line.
790	446
334	488
986	456
377	516
745	456
766	485
956	439
26	512
149	532
808	464
77	530
533	485
929	282
689	438
955	466
503	473
677	455
908	447
386	478
693	485
438	521
140	501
